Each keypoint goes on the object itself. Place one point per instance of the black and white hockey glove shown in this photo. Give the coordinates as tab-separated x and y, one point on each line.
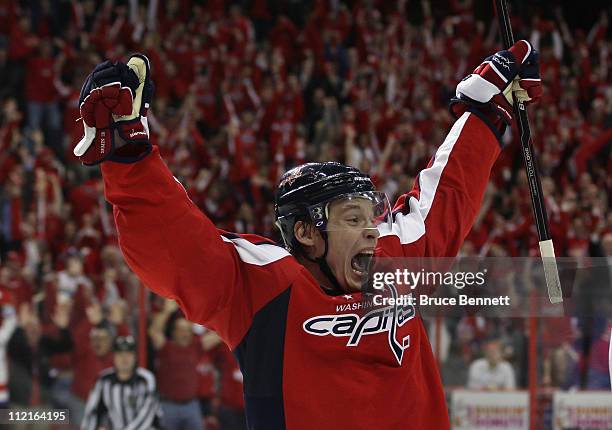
114	102
490	86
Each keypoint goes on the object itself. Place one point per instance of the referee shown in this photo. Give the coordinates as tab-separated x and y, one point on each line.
125	396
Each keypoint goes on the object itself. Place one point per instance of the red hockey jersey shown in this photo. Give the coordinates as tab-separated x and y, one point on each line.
309	360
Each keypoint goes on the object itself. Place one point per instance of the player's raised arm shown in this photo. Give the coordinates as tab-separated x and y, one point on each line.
166	240
434	218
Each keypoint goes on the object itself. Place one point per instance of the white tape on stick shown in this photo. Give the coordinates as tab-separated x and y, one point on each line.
551	273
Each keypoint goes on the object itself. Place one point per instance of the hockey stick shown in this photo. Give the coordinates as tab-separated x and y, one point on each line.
547	251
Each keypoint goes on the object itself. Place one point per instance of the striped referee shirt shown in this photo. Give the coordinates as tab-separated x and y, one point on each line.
125	405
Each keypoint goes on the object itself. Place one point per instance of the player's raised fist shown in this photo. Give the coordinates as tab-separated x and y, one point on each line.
494	81
114	102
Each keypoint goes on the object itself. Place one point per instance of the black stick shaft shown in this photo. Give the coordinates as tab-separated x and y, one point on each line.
520	113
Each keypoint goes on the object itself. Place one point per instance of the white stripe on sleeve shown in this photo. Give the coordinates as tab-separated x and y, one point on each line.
259	255
410	227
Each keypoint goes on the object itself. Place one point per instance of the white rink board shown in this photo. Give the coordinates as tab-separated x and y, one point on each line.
485	410
586	410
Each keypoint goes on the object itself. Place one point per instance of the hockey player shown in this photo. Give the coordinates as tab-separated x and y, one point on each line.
308	362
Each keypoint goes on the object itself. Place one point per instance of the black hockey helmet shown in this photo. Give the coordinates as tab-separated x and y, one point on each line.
124	344
304	189
305	192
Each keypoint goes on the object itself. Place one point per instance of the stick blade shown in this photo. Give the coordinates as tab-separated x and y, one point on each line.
551	273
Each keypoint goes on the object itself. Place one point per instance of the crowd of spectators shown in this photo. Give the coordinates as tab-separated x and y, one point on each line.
244	91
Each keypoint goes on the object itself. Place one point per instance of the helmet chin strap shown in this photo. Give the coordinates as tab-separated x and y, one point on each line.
336	289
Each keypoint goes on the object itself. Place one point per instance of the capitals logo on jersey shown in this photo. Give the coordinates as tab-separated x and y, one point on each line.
380	320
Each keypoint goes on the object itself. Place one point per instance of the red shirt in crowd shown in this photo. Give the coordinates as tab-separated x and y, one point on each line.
87	365
39	80
230	387
177	374
206	376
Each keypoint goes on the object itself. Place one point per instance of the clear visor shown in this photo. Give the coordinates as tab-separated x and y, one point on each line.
359	211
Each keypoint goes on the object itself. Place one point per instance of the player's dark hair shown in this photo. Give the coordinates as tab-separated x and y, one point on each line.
295	247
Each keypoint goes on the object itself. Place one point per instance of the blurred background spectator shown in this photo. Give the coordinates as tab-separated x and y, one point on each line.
8	326
29	350
177	368
491	372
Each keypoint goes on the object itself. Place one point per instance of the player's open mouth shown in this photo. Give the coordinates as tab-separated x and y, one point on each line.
360	263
